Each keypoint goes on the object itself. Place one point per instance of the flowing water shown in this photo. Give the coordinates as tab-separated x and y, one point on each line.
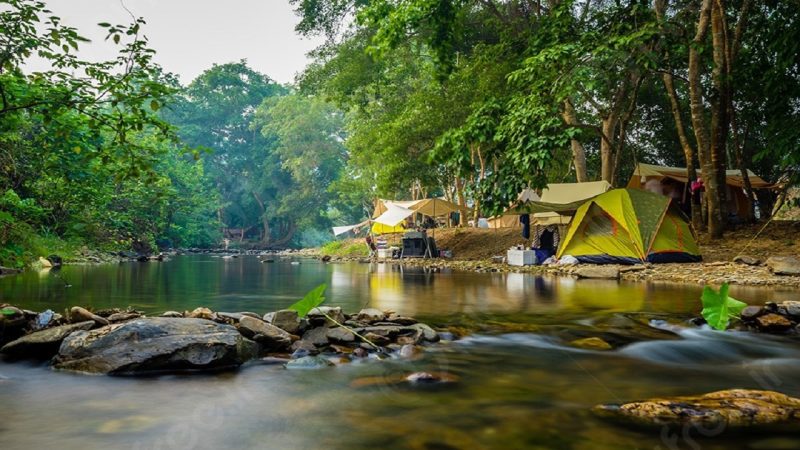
520	385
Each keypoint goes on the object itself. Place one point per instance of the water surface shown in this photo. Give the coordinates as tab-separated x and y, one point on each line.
520	384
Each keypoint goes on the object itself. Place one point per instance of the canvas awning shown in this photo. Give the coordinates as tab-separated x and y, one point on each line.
732	177
433	207
561	197
393	215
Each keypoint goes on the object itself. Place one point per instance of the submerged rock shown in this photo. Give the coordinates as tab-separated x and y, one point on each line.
591	343
309	362
736	408
45	343
155	345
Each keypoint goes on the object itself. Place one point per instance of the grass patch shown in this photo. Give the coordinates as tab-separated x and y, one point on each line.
345	248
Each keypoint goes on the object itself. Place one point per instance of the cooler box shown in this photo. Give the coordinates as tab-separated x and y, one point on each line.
521	257
384	253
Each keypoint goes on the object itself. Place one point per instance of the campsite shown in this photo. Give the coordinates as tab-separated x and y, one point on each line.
399	224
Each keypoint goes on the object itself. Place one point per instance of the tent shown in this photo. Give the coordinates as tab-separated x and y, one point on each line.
628	226
567	193
433	207
645	174
512	220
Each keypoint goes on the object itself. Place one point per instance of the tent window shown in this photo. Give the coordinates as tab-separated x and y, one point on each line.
598	223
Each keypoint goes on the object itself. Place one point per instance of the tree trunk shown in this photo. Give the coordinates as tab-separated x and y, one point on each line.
264	219
462	218
286	237
696	103
578	152
719	121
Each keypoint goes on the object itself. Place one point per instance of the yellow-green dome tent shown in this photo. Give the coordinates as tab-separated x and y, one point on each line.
628	226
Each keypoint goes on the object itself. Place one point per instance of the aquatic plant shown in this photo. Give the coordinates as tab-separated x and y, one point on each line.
719	308
312	300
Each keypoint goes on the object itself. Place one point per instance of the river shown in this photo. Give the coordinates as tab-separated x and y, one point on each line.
520	385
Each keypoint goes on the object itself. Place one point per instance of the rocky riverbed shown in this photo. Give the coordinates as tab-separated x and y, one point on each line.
127	342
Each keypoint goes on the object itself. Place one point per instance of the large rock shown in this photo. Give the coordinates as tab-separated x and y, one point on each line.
285	319
599	272
784	265
270	336
155	345
324	314
736	408
45	343
316	336
339	334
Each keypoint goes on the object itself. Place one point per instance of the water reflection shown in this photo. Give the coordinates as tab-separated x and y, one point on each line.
240	284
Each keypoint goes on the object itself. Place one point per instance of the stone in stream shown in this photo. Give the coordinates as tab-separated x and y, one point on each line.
43	319
201	313
792	308
309	362
370	315
317	315
428	333
172	314
78	314
339	334
784	265
316	336
410	351
155	345
751	312
45	343
773	322
123	316
285	319
270	336
736	408
591	343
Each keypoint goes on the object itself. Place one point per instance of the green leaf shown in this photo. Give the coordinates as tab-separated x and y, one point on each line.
718	308
154	105
310	301
8	311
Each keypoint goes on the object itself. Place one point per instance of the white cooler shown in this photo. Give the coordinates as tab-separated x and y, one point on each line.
521	257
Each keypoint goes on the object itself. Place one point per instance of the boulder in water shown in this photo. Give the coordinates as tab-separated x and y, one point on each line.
45	343
155	345
309	362
736	408
272	337
599	272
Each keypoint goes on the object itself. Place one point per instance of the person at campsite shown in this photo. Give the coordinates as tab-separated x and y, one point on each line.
525	220
371	245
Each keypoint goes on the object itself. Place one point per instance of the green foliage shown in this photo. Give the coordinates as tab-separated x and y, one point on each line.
345	248
718	308
314	298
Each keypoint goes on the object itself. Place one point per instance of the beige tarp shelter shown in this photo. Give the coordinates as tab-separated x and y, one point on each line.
512	220
737	198
433	207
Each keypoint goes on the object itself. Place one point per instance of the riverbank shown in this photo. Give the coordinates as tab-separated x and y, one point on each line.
482	250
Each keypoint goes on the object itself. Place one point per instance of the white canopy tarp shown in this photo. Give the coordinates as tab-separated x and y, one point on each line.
344	229
393	215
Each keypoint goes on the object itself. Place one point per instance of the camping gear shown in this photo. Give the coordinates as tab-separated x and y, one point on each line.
417	244
521	257
629	226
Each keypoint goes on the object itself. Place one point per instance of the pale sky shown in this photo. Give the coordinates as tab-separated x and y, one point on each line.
191	35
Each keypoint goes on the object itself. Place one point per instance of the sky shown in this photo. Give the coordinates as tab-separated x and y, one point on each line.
191	35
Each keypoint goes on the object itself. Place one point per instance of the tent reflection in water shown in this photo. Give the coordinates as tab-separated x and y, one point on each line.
629	226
